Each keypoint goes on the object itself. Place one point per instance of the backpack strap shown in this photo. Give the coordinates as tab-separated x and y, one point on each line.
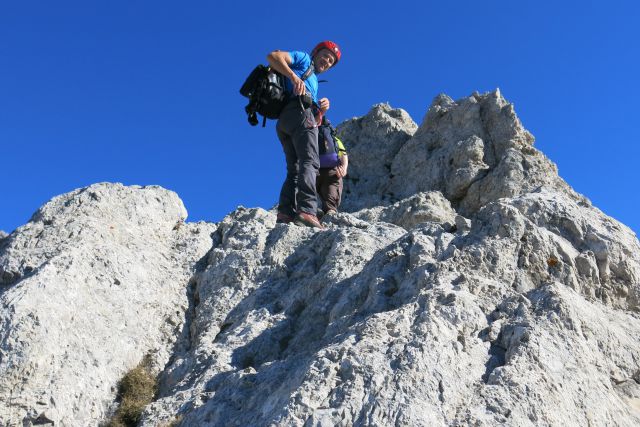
304	77
309	71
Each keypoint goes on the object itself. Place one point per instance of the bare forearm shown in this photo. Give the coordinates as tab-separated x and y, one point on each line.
278	60
343	166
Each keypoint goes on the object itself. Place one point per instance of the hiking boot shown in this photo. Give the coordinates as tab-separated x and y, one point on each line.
307	220
326	216
283	218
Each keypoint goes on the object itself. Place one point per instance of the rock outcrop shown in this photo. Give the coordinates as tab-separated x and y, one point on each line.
474	151
96	280
465	284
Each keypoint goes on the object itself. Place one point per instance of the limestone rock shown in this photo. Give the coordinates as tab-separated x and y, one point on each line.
93	283
474	151
374	141
463	224
407	213
513	302
464	284
378	325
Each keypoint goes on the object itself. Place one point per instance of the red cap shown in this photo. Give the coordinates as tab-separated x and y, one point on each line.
327	44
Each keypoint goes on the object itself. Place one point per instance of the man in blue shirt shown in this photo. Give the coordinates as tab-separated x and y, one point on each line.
297	129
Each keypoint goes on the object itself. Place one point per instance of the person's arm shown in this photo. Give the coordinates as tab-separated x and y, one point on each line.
280	61
342	167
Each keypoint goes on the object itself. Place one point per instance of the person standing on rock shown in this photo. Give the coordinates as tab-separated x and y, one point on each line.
297	129
333	167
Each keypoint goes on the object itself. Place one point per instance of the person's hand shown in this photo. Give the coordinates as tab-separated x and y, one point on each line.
324	104
298	85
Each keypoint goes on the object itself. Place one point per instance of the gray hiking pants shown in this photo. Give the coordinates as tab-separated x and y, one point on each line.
298	135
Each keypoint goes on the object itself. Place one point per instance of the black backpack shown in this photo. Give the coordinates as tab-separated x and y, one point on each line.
266	92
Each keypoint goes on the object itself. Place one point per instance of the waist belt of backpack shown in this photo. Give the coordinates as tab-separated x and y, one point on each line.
305	101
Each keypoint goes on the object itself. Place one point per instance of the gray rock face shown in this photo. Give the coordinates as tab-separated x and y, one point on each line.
94	282
373	325
466	284
409	212
3	234
374	141
474	151
518	307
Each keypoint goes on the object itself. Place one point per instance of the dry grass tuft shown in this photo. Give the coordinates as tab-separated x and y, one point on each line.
135	391
552	262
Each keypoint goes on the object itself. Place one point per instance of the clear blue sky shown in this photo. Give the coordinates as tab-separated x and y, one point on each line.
146	92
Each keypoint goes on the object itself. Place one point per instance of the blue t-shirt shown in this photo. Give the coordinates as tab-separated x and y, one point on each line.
300	62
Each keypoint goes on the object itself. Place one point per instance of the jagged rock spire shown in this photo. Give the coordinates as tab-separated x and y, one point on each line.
474	151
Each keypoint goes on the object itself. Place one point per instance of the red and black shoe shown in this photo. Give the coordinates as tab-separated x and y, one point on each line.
283	218
307	220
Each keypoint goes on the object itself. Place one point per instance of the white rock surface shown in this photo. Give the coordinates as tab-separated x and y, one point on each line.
374	140
466	284
93	283
372	325
409	212
473	151
524	312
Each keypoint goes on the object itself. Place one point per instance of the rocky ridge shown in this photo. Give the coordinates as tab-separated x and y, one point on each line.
465	283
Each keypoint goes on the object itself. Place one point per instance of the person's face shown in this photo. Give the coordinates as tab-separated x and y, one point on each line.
324	60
